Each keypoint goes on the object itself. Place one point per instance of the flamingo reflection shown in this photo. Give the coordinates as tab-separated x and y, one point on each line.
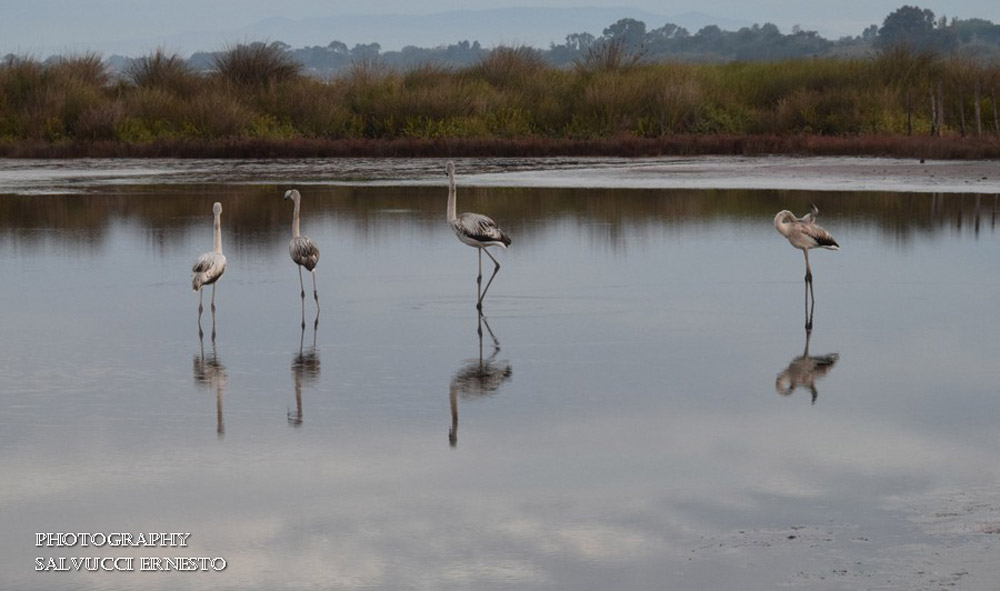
305	370
806	369
209	373
477	377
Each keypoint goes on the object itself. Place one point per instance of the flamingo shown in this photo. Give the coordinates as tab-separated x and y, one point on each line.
211	265
804	233
303	251
476	230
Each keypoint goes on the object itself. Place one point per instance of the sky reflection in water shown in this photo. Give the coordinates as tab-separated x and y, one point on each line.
641	393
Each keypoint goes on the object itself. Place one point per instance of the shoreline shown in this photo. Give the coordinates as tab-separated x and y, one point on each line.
919	147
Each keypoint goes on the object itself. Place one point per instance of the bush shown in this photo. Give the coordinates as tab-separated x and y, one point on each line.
509	67
256	65
99	122
215	115
309	107
608	56
166	72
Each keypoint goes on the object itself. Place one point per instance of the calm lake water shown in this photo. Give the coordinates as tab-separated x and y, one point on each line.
644	409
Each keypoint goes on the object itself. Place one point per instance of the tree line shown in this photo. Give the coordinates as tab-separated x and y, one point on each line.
919	28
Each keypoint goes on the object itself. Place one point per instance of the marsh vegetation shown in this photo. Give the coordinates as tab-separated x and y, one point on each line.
258	102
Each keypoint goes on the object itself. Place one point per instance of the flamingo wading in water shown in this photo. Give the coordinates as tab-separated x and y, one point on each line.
303	250
475	230
804	233
211	265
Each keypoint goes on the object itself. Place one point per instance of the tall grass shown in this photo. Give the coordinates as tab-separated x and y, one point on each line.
258	93
608	56
52	101
509	67
256	65
169	72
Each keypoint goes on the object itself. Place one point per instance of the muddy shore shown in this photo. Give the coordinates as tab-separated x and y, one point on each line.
766	172
699	172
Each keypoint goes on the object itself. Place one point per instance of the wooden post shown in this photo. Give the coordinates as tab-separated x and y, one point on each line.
940	106
996	116
909	114
933	115
961	113
978	108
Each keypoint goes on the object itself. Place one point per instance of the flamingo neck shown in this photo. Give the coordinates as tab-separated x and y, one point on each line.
218	233
295	220
781	224
452	215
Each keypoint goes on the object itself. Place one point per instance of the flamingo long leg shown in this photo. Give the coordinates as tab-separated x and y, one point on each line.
809	309
213	324
201	333
809	275
496	269
316	297
315	291
479	282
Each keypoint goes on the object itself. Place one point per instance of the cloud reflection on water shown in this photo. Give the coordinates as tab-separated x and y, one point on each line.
370	533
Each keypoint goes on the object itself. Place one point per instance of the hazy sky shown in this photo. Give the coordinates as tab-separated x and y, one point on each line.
40	27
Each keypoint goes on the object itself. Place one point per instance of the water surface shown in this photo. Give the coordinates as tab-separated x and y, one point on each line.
640	406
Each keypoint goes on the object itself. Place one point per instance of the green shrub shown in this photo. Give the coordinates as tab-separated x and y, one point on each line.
215	115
